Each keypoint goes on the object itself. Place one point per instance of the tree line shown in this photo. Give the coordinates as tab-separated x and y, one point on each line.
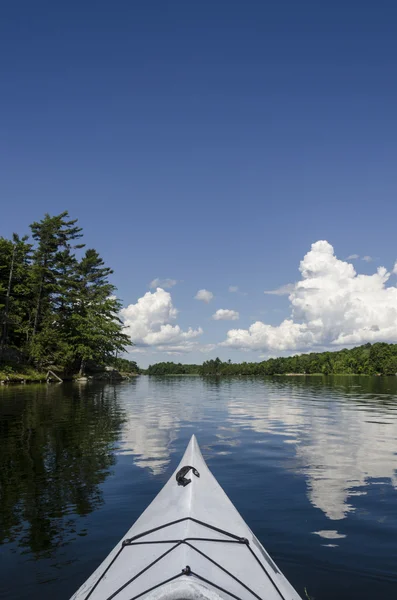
56	301
369	359
170	368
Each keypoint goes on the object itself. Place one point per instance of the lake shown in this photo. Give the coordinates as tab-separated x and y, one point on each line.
310	463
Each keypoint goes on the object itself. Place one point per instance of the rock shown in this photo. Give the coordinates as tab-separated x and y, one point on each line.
110	374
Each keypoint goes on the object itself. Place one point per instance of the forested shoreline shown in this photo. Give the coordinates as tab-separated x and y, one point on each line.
58	310
369	359
57	304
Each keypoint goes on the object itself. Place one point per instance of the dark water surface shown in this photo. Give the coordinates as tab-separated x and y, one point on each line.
310	463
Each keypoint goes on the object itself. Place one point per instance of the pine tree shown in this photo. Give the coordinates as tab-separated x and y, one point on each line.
14	290
52	234
51	273
96	332
54	308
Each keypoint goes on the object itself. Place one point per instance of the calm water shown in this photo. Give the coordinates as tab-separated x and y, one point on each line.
310	463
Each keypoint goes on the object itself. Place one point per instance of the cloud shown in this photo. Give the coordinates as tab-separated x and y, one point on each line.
331	305
395	268
353	257
148	433
224	314
284	290
367	258
182	348
163	283
204	348
233	289
204	295
333	477
149	323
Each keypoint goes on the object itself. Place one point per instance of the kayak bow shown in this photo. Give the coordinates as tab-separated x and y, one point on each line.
189	543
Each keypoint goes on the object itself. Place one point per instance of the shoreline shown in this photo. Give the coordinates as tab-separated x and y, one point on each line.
40	378
106	377
239	376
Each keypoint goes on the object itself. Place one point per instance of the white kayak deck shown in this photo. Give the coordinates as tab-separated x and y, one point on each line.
225	567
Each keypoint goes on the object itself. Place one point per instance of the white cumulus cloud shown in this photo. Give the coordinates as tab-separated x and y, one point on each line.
149	323
204	295
233	289
330	305
224	314
163	283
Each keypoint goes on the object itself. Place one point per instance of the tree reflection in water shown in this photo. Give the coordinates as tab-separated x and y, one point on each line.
56	449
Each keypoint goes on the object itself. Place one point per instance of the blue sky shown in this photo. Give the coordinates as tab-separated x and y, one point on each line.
211	143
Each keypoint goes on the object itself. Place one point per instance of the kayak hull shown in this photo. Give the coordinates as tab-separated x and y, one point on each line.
190	542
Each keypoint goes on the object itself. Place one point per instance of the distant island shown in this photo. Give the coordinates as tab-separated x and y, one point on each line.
369	359
58	311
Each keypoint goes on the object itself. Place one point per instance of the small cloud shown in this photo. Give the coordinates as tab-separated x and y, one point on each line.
233	289
353	257
284	290
204	295
367	258
224	314
207	348
163	283
395	268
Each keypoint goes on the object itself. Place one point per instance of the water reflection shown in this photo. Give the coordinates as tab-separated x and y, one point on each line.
345	437
154	417
343	431
56	449
272	444
329	534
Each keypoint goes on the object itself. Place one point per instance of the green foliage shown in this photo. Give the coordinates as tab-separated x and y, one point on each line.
95	330
54	237
125	366
214	367
57	308
19	373
170	368
15	291
375	359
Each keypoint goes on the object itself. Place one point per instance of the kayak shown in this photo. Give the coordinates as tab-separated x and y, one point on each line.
190	543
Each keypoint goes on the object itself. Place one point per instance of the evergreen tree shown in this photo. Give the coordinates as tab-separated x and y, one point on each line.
96	330
56	309
14	291
50	276
52	234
